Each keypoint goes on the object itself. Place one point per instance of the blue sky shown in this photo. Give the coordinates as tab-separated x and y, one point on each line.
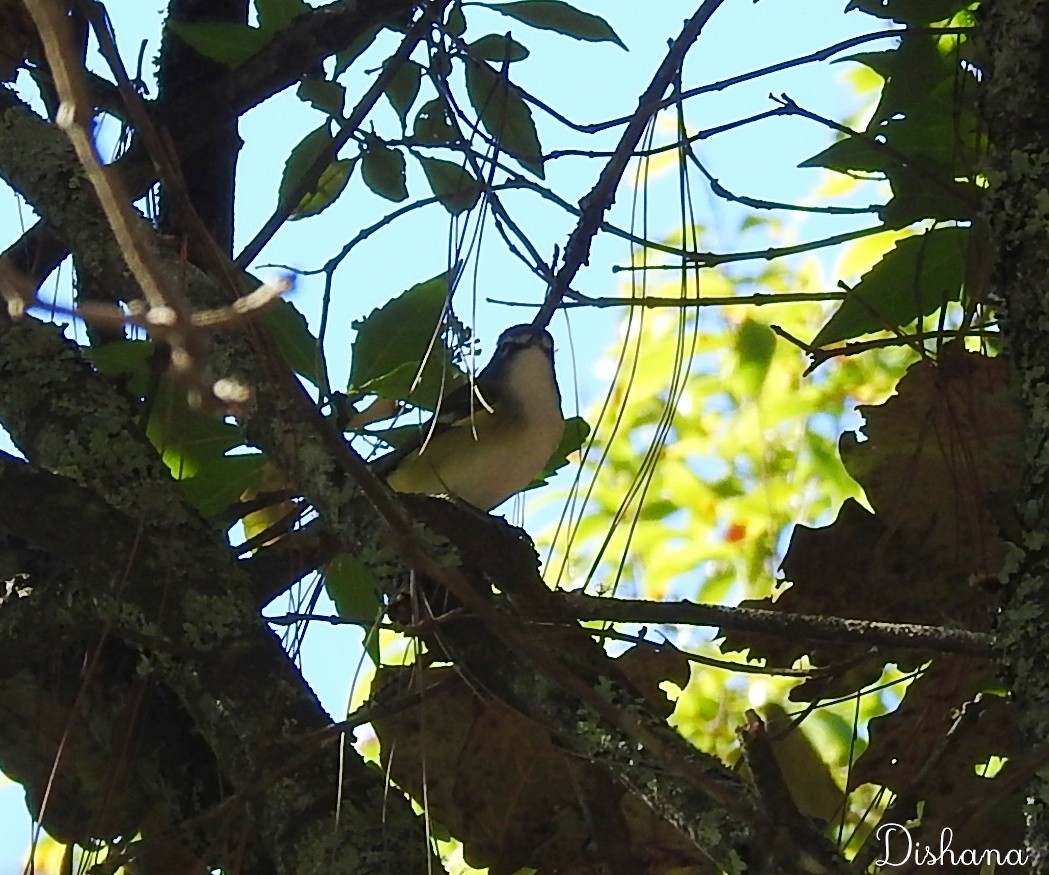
587	83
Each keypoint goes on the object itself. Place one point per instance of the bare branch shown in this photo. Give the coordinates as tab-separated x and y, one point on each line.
169	313
759	299
346	131
912	636
594	205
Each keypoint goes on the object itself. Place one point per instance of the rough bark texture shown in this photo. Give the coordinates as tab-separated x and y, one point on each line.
1017	110
167	632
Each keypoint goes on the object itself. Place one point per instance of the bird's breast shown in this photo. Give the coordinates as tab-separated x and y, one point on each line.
488	457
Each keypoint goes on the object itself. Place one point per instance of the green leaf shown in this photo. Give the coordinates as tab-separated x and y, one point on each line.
355	592
914	279
755	344
221	482
943	130
294	340
440	64
851	155
923	142
131	362
911	71
910	11
395	338
658	509
451	184
433	123
455	24
920	197
302	157
493	47
274	15
354	50
353	589
404	88
881	63
930	148
187	439
562	18
222	41
323	94
577	430
505	115
331	184
383	170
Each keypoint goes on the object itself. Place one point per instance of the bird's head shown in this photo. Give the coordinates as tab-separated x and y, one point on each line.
523	370
521	337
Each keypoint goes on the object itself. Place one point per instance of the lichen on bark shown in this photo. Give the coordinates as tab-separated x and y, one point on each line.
1016	34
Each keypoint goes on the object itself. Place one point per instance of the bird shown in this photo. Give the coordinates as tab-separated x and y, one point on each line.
491	438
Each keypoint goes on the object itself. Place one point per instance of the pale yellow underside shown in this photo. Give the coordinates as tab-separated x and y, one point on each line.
489	457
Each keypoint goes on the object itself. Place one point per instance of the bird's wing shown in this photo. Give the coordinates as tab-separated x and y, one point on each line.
460	405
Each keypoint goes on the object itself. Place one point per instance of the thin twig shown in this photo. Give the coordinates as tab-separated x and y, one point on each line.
824	54
821	354
348	128
138	313
908	162
168	313
576	299
307	41
712	259
704	134
594	205
759	203
74	117
912	636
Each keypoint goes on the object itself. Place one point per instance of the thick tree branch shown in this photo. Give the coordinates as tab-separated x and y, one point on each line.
168	309
66	418
592	709
209	170
77	715
178	590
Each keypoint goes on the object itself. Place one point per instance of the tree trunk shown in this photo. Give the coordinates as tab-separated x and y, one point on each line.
1017	112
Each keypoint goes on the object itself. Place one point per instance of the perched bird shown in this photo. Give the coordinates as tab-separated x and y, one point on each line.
490	439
